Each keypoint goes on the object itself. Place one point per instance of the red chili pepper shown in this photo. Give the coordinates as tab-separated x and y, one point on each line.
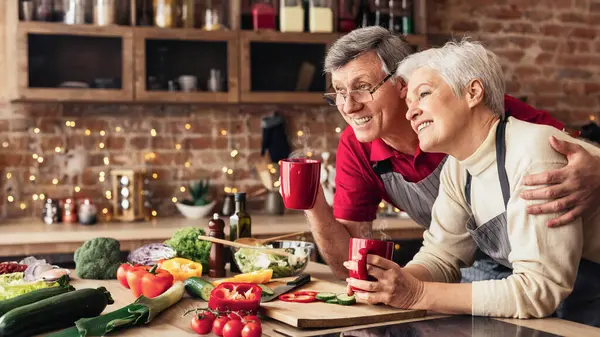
230	296
156	281
297	298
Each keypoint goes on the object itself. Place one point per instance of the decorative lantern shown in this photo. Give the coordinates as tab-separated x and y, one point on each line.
128	195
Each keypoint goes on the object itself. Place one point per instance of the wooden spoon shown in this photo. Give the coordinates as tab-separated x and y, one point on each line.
260	242
241	245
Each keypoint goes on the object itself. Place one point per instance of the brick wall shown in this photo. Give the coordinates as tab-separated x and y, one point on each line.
128	143
548	48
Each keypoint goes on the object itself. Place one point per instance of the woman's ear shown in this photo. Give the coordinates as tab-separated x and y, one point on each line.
474	93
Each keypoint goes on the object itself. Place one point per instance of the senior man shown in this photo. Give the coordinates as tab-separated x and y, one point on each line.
378	156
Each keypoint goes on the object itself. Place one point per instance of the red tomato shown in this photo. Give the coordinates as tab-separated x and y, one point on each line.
252	330
251	318
233	328
235	316
209	315
218	325
202	324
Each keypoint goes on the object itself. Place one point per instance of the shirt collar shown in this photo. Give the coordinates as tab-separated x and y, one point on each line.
381	151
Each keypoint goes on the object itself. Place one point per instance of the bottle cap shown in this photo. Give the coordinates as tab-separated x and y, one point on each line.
240	196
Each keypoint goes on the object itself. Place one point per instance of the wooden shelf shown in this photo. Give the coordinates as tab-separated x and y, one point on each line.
275	36
57	28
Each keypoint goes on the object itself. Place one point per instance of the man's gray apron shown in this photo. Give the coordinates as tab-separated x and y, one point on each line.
583	304
416	199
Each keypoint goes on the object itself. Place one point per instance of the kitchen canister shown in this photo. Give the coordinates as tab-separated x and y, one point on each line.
104	12
74	12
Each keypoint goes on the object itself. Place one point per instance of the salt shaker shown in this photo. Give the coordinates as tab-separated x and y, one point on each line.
216	260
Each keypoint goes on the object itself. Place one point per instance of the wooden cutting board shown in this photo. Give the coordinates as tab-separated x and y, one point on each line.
323	315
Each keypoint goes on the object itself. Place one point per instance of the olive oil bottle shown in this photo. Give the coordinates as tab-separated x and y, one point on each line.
240	225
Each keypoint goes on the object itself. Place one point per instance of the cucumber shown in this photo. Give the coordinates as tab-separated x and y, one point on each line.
198	287
325	296
332	301
345	299
266	291
32	297
56	312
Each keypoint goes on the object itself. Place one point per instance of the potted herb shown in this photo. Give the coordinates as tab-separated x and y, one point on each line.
200	205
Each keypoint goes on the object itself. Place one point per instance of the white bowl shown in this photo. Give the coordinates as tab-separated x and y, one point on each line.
195	212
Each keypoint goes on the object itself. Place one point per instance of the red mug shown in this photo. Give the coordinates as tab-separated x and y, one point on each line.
300	178
359	249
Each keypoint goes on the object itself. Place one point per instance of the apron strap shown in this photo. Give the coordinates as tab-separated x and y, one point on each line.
382	167
500	161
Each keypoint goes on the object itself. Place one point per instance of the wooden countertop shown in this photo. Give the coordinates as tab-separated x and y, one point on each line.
32	236
171	322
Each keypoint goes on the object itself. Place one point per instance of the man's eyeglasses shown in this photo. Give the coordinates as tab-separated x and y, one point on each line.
358	96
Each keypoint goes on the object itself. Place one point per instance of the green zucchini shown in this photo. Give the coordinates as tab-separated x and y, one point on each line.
32	297
346	300
53	313
198	287
266	290
325	296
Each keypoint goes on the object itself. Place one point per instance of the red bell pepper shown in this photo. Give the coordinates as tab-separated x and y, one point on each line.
236	297
299	297
134	279
156	281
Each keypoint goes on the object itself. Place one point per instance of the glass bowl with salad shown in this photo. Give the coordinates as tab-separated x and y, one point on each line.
254	259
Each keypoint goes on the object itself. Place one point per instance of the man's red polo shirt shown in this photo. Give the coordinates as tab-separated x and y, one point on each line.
359	190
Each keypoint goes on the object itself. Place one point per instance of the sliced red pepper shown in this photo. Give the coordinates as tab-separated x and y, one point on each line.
228	296
297	298
306	292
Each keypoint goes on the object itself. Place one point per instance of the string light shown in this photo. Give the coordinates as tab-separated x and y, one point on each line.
270	166
36	130
8	175
42	196
23	205
101	145
101	179
182	188
592	117
188	164
118	129
382	204
234	153
32	178
108	194
105	211
10	198
40	160
174	199
276	184
227	189
223	132
188	126
224	169
338	130
309	154
396	210
300	133
88	132
77	188
35	197
57	149
106	161
35	156
102	174
155	175
5	144
102	133
68	123
230	171
154	213
54	181
234	190
272	170
153	132
177	146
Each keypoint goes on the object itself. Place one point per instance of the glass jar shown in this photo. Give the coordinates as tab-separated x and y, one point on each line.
212	19
347	17
263	15
74	12
320	16
291	16
188	16
165	13
104	12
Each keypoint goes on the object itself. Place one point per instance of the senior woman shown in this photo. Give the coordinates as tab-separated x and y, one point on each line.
455	99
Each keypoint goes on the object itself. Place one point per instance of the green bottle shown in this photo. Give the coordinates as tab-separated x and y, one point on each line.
240	225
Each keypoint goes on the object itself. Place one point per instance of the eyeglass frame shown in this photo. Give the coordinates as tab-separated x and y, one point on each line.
371	92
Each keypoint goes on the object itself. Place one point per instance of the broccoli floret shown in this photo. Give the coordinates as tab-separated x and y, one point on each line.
98	259
187	245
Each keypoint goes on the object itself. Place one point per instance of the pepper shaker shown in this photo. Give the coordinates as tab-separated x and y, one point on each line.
216	260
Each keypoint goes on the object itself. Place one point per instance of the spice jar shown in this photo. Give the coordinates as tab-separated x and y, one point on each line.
291	16
104	12
263	15
74	12
69	211
320	16
165	13
87	212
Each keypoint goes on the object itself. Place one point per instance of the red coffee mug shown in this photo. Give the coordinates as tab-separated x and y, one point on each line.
360	248
299	182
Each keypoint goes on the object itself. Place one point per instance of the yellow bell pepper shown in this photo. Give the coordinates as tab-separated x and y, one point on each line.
181	268
256	277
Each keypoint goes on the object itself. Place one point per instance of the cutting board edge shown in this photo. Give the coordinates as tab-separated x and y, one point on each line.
304	323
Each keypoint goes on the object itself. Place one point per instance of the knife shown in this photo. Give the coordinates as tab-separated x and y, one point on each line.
301	280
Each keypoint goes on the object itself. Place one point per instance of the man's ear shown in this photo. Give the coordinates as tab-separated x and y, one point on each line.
403	88
474	93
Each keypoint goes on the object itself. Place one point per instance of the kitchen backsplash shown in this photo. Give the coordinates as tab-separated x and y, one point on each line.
44	145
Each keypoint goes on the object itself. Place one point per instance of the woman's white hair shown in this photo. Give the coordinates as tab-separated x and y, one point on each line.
458	63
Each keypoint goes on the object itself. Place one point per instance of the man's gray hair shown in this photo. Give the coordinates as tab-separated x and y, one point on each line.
458	63
389	47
